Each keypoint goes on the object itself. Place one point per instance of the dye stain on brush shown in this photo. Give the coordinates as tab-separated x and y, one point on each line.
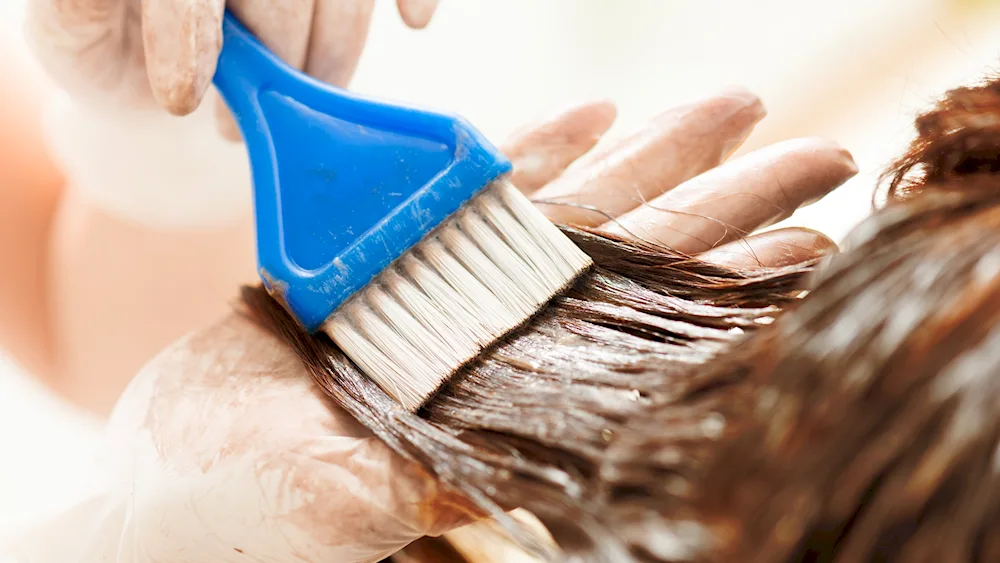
391	229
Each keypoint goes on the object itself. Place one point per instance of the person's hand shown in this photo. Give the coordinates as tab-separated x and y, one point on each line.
669	183
136	52
224	450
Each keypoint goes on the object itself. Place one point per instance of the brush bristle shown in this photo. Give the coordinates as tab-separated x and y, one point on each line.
484	272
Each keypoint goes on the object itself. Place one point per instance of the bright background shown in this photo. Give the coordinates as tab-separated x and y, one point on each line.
853	70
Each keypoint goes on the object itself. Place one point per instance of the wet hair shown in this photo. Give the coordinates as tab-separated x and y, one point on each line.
429	550
527	424
874	428
868	424
663	410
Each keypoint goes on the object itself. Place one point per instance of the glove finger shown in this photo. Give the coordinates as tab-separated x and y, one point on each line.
338	37
417	13
181	40
284	27
668	150
739	197
541	151
89	46
771	249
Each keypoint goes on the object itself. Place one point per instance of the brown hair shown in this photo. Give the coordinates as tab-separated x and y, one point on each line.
527	424
870	426
641	418
429	550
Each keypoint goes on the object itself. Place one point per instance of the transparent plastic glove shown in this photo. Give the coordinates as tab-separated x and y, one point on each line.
121	62
136	52
222	449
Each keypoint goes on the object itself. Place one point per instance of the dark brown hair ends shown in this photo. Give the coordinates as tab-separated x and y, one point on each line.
528	423
668	410
872	429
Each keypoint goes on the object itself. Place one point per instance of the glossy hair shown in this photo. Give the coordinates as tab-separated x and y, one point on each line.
869	422
527	425
655	412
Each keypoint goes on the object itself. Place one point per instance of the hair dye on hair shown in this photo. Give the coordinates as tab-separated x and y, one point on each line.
868	425
528	423
428	550
663	411
882	444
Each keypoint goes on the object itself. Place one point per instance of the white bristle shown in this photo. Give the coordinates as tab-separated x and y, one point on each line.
481	274
364	352
423	340
549	238
518	238
473	258
467	310
489	309
429	315
506	260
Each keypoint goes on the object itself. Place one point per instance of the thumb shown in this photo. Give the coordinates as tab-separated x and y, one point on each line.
181	41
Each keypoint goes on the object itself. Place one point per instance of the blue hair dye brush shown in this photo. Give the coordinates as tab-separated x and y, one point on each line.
392	229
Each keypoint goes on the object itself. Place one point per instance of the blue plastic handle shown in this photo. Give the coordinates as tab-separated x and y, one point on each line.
343	185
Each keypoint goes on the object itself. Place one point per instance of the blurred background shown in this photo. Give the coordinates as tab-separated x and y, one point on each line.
856	71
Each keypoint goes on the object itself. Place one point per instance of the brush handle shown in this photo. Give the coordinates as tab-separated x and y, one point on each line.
343	184
247	71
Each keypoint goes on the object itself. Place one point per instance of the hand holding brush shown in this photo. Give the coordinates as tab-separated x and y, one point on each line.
164	52
138	198
230	413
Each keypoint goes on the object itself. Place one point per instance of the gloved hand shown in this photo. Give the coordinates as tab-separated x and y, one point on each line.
137	52
223	450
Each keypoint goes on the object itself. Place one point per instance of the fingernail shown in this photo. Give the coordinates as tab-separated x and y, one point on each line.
417	13
744	96
841	154
599	114
831	150
830	164
181	44
739	102
738	108
542	152
588	119
849	161
587	123
772	249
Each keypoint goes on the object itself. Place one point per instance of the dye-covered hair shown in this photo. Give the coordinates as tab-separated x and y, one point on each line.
527	424
655	413
869	423
876	425
429	550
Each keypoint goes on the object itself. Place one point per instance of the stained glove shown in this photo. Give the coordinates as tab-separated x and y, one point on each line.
121	61
223	450
137	52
